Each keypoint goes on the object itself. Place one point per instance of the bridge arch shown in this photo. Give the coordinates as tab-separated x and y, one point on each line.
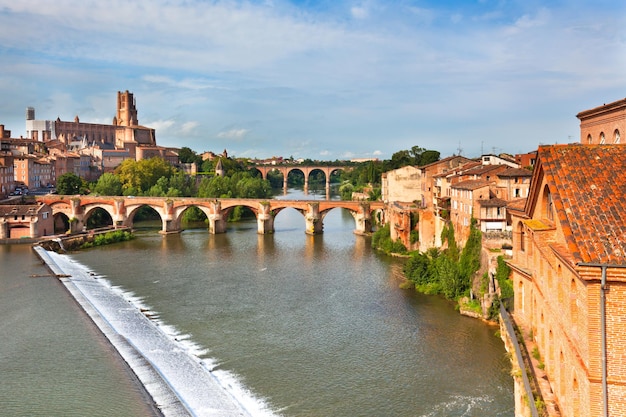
122	210
97	210
61	222
132	211
306	171
179	211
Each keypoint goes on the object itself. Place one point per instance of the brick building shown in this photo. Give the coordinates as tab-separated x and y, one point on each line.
21	221
569	276
605	124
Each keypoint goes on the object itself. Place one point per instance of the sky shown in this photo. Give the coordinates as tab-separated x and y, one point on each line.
325	80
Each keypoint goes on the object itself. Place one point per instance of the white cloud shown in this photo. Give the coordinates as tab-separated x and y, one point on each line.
385	77
161	126
359	12
189	127
235	134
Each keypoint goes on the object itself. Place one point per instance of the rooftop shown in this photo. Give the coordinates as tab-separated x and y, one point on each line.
588	186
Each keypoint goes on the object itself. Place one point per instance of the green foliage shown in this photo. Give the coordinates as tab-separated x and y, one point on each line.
494	310
240	185
193	214
108	238
450	281
447	236
70	184
141	176
108	184
469	261
503	272
414	236
375	194
417	269
447	272
345	190
187	156
415	156
99	218
381	240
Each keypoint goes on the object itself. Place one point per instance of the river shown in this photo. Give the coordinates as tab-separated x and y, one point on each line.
310	325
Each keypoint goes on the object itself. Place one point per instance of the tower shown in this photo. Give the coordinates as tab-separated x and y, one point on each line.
126	110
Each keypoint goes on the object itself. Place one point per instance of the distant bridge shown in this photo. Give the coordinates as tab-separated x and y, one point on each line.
78	209
306	170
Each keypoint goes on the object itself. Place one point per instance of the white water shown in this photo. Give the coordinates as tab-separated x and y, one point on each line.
164	360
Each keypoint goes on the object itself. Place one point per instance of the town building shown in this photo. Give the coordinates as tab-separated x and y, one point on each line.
526	160
569	275
513	183
123	134
465	205
604	124
21	221
412	193
7	176
53	148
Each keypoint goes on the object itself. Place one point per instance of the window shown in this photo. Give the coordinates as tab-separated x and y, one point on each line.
602	139
550	207
616	137
548	204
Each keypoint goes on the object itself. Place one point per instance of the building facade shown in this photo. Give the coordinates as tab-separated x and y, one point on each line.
605	124
22	221
569	276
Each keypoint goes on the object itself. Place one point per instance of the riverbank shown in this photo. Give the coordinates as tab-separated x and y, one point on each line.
179	383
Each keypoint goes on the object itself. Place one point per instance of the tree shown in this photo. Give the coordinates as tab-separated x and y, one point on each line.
108	184
428	157
187	155
138	177
69	184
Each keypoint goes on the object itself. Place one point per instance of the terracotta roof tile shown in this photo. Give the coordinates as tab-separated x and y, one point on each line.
492	202
471	184
588	185
515	172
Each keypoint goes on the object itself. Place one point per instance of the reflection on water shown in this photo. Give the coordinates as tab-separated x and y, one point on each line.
315	324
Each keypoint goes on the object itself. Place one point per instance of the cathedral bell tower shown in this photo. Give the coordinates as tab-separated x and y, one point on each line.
126	110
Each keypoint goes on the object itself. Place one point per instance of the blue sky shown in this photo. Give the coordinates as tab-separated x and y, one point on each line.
318	79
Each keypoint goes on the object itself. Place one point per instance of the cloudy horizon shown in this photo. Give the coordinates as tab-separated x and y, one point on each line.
319	79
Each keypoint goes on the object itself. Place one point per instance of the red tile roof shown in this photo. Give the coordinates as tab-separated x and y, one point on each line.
588	185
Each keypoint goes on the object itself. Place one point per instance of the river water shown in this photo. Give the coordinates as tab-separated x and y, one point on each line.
310	325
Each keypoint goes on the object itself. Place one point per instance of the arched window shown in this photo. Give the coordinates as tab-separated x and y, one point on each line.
522	236
548	204
589	139
573	295
602	139
616	137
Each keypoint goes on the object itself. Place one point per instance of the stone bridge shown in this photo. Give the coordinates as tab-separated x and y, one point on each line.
122	210
306	170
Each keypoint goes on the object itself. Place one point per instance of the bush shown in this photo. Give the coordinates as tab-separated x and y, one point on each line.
502	275
381	240
108	238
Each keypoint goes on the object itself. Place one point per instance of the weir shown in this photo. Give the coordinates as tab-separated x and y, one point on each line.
180	383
